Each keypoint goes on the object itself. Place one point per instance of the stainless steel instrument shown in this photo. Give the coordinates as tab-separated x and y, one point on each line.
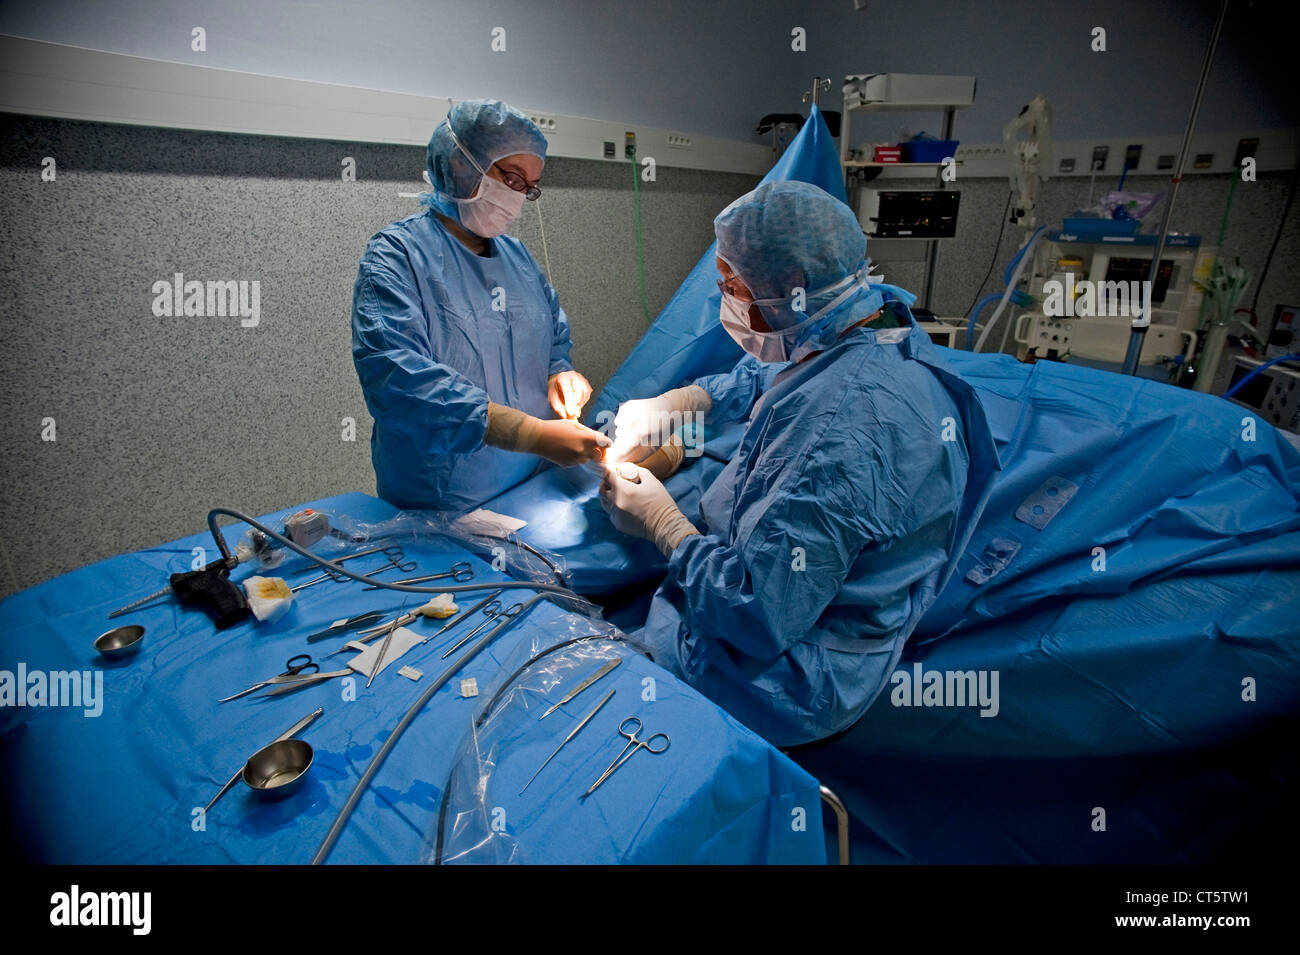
287	734
572	733
629	728
582	686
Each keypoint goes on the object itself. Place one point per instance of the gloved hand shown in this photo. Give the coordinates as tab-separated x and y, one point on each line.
639	505
568	392
644	424
565	442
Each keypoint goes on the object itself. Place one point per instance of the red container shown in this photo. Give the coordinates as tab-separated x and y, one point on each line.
888	154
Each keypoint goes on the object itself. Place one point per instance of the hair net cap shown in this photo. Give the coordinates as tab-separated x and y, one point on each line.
489	130
786	235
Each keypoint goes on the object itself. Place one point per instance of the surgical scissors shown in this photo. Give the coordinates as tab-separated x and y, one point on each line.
492	612
629	728
293	670
460	572
393	552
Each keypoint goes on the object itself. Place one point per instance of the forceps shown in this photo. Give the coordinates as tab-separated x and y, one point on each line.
351	623
394	563
492	612
374	632
328	575
460	572
294	667
289	684
629	728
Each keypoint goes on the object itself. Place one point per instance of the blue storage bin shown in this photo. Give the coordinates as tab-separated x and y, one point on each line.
929	150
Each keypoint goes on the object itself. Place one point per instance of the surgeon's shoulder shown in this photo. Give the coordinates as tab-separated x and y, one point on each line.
876	392
396	240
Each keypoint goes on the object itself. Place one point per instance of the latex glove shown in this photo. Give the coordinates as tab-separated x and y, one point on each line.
568	391
644	424
639	505
664	462
565	442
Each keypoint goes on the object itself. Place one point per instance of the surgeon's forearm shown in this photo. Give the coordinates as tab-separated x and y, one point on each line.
511	429
670	538
438	410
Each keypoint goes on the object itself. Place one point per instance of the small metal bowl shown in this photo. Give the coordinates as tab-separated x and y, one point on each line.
277	770
121	641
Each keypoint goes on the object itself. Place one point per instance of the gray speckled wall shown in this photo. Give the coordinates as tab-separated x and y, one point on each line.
160	419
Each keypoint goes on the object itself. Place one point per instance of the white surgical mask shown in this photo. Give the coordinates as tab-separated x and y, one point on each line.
765	346
496	206
493	210
776	345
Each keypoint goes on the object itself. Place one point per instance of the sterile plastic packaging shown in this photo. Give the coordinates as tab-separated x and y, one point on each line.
483	816
488	536
1132	205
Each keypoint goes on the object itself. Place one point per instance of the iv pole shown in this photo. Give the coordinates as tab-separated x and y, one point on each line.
1140	324
819	83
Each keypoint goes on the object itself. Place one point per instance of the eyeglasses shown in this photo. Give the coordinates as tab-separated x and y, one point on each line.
512	180
724	286
519	184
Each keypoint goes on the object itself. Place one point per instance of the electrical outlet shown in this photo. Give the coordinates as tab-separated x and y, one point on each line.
1066	165
1166	161
1132	156
609	150
679	141
1099	154
545	123
1203	161
629	145
991	151
1245	150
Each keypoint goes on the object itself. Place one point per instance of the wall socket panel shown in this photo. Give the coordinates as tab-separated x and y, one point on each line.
1219	153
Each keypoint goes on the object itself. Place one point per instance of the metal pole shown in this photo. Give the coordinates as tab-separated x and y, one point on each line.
1140	324
932	250
841	823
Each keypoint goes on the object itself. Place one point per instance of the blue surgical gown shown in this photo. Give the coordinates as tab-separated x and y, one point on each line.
733	393
854	490
437	333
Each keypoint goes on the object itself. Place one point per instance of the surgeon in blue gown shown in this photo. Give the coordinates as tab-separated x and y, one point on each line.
458	339
856	485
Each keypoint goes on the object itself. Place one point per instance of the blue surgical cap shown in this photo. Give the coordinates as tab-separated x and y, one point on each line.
489	130
786	235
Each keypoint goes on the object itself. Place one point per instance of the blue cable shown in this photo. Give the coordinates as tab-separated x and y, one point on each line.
974	314
1241	384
